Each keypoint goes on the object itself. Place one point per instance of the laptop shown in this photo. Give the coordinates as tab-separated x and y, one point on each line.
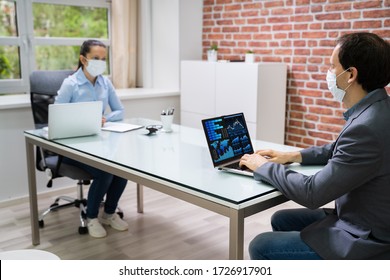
228	140
74	119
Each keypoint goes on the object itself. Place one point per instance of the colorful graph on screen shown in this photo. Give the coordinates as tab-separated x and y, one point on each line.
228	137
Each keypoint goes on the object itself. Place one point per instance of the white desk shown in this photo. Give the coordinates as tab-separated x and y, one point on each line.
177	164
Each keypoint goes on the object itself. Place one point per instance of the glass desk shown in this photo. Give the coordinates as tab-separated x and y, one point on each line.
176	163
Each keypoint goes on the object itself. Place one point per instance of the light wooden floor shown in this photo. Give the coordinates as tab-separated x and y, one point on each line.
168	229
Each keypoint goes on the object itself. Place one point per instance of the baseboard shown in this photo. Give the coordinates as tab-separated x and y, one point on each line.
25	199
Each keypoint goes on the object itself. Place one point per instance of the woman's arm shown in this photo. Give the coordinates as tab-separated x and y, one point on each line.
117	109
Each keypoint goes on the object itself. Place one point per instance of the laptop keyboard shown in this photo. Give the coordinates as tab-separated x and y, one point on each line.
236	165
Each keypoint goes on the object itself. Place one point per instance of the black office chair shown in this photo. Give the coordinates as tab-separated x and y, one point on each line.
43	89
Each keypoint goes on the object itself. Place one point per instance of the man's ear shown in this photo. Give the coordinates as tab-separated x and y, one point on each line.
353	73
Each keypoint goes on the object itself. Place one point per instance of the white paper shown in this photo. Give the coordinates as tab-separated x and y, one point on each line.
120	127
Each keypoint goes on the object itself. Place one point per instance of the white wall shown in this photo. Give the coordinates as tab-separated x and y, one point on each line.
190	29
176	34
13	170
165	43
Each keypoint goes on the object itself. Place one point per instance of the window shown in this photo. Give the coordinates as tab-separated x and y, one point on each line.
46	35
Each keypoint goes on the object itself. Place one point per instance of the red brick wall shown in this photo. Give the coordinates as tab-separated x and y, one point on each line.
300	33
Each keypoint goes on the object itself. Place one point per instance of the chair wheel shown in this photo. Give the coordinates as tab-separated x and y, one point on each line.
83	230
120	214
41	223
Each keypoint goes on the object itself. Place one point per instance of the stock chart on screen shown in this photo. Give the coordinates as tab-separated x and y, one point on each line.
227	137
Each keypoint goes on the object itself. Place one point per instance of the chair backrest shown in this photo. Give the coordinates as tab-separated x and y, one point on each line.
43	89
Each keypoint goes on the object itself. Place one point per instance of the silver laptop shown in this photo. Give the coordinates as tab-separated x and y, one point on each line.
74	119
228	140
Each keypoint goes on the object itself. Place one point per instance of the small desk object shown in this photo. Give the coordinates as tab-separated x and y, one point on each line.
177	164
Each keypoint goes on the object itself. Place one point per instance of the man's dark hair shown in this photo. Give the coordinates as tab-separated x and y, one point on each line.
86	48
370	55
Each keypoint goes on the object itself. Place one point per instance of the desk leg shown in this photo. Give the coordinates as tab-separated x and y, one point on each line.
236	235
32	190
140	198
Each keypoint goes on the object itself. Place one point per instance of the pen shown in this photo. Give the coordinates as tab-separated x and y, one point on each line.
170	112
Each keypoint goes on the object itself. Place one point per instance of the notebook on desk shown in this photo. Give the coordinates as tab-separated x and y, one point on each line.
120	126
228	140
74	119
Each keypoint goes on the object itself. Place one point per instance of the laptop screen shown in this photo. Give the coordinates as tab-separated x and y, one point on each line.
227	138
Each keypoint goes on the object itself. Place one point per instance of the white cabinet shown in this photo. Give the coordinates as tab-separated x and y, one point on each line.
210	89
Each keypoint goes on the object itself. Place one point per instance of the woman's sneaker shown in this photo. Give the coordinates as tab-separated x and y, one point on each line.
95	229
114	221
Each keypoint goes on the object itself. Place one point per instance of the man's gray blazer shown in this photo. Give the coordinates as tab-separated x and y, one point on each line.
356	175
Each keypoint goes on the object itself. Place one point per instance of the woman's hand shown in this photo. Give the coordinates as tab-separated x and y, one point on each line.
103	121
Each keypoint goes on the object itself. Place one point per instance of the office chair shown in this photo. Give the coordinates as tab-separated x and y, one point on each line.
43	89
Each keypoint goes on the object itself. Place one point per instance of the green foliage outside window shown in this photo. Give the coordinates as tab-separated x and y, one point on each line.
50	21
5	66
9	62
9	57
69	21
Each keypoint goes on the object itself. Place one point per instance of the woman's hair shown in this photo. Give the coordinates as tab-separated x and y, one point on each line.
370	55
86	48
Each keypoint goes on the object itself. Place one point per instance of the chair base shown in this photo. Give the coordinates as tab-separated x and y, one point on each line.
79	203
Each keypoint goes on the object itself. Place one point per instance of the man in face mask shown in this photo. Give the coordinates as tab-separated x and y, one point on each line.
356	174
331	79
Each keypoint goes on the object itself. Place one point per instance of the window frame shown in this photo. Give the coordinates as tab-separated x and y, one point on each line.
26	41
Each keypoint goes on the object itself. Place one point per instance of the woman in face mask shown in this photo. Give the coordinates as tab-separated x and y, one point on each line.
88	84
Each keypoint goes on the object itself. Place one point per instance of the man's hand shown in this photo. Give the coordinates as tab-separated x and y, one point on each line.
252	161
260	157
280	157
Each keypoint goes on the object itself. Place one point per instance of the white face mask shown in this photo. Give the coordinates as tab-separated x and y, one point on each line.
337	92
96	67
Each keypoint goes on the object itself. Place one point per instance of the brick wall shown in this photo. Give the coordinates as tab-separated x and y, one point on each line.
300	33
